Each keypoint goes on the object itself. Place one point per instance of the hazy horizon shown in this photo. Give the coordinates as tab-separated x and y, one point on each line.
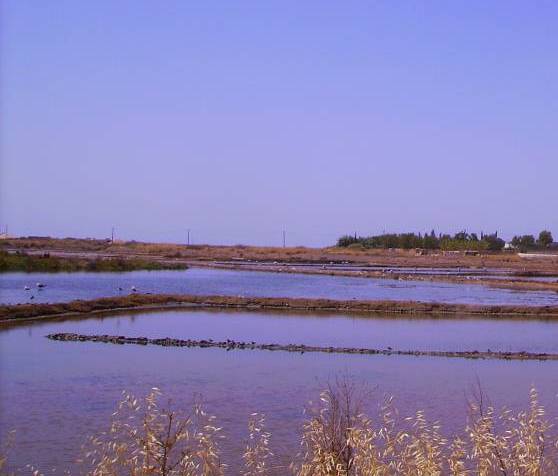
240	121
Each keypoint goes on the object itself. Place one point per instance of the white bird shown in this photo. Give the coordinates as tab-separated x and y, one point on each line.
134	289
41	285
27	288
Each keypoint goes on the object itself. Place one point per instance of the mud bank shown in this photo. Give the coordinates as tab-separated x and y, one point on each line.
10	313
299	348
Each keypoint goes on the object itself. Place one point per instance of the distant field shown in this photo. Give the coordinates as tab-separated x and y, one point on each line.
390	257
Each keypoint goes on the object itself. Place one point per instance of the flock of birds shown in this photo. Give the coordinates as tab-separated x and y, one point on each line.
41	286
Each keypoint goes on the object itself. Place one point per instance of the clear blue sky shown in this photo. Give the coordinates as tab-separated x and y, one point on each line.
239	119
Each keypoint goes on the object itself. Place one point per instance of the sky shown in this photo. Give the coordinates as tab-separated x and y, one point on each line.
238	120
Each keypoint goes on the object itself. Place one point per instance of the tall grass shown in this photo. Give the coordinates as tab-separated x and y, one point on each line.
147	439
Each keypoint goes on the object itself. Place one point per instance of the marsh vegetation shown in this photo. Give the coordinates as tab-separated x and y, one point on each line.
21	261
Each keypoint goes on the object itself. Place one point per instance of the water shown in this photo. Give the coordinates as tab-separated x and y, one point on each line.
56	393
541	279
68	286
331	329
424	270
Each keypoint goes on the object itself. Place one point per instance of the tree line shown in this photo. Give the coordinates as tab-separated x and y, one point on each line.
440	241
528	242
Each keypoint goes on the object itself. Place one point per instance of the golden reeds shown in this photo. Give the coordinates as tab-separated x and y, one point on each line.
338	439
145	439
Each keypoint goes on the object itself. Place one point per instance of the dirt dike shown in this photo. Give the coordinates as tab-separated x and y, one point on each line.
11	313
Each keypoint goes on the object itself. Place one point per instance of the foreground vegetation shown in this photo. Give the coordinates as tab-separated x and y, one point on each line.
45	263
338	439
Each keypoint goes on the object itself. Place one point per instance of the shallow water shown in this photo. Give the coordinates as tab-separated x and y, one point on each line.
542	279
56	393
68	286
423	270
331	329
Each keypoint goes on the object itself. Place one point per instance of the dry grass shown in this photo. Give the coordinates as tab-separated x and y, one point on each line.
257	456
5	447
146	439
341	441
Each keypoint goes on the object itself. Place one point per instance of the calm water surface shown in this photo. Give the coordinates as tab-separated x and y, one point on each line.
69	286
55	393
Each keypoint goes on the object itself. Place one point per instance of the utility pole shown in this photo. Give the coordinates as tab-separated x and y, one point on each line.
284	239
188	240
112	235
